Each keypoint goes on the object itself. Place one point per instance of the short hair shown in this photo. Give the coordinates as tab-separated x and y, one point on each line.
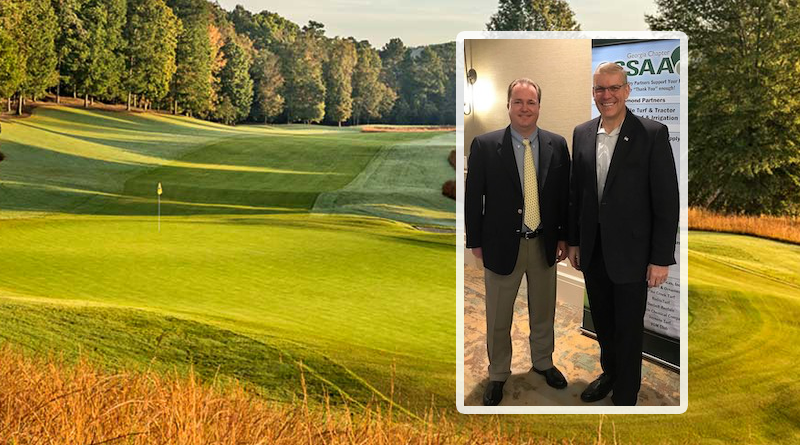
526	81
612	68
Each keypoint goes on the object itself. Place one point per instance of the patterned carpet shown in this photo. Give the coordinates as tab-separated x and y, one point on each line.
576	355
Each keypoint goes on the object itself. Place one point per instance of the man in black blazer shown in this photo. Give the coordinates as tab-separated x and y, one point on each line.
515	208
622	226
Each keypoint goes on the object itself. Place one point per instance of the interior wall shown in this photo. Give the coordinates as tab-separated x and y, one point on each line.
562	68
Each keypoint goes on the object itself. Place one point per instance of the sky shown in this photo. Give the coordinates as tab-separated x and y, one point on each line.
423	22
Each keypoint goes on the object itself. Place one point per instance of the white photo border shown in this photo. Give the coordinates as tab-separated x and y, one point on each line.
683	225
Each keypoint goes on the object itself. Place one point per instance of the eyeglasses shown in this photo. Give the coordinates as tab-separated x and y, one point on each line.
518	103
613	88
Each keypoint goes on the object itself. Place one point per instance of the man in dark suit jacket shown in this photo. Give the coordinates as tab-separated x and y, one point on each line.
516	204
624	211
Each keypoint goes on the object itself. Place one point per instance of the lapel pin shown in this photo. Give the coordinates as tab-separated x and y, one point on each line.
626	138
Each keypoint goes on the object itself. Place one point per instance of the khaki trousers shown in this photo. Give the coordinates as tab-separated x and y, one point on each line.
501	292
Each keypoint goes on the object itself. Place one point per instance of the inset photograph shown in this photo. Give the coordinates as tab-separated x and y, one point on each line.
572	209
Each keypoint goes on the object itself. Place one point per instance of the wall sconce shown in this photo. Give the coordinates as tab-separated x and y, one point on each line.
469	92
472	76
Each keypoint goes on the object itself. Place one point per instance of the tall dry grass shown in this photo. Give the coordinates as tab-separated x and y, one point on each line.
770	227
46	401
405	128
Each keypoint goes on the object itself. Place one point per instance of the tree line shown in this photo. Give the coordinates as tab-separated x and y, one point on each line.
194	58
744	111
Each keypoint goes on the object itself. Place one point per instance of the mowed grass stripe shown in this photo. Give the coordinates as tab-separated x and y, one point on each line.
305	282
365	292
358	292
99	151
743	384
240	269
397	184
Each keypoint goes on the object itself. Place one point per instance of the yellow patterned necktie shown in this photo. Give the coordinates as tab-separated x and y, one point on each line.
531	189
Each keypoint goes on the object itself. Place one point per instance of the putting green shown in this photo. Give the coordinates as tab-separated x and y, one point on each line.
238	255
243	284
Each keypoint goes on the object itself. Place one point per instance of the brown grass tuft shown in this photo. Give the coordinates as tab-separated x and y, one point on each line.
770	227
405	128
46	401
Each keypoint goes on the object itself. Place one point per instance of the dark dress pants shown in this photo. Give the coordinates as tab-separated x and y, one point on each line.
618	315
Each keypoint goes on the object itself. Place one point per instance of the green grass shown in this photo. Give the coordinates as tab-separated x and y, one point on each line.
744	307
744	298
246	279
406	173
94	162
239	257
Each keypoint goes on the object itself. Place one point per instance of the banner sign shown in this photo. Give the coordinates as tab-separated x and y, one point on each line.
653	69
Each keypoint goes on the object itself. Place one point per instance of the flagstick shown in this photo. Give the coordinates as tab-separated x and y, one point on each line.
159	191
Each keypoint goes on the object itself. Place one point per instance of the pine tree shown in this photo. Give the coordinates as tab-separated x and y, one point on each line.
367	88
237	86
93	59
190	89
36	49
11	68
446	102
267	84
152	35
423	82
339	77
533	15
392	56
304	88
70	28
266	29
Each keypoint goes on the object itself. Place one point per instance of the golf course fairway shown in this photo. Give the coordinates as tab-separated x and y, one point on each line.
291	248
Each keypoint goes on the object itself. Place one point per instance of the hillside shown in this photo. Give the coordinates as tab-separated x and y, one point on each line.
241	280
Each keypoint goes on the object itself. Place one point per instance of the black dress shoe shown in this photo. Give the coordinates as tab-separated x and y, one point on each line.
494	393
598	390
554	377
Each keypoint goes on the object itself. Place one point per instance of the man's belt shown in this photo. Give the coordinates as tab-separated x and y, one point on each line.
529	235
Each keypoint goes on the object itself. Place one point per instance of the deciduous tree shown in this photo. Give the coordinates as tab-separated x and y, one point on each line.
744	155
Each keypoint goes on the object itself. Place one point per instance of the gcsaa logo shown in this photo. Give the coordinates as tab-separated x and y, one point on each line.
676	60
653	62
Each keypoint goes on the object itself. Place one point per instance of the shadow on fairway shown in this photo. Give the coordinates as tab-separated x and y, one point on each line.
121	338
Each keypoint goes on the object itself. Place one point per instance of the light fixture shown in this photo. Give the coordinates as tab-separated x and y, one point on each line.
472	76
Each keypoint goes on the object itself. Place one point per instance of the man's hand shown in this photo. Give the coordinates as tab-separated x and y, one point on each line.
574	254
656	275
478	252
561	251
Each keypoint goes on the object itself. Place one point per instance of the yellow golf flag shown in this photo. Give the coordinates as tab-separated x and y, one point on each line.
159	189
